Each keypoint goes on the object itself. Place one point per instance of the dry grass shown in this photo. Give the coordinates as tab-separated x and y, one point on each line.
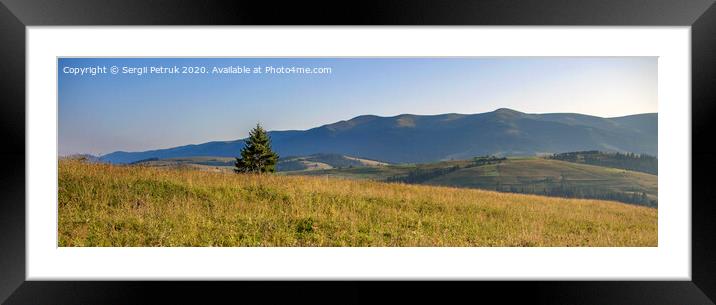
105	205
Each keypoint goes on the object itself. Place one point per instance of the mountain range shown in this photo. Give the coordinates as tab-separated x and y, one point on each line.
409	138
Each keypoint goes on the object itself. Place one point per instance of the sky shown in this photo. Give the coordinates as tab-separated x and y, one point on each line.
103	112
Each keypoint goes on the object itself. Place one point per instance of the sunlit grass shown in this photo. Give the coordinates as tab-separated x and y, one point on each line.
105	205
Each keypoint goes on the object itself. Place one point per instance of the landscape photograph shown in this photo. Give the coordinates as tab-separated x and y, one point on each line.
358	152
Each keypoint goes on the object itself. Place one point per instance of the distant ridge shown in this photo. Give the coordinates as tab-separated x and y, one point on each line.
409	138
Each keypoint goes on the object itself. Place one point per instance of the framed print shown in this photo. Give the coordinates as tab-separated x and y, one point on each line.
491	146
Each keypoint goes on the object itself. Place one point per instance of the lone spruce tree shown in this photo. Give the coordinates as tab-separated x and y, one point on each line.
257	156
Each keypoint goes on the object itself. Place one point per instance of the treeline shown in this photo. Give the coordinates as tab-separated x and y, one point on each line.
629	161
580	192
485	160
290	165
143	160
420	175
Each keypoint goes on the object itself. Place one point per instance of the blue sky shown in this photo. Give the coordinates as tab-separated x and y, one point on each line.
106	112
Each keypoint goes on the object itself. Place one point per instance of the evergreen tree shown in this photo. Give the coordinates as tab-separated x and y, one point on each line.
257	156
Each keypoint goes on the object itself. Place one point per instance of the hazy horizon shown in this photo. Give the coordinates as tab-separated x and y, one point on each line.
101	114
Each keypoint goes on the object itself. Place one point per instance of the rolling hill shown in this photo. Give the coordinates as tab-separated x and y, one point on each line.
323	161
518	175
299	163
411	138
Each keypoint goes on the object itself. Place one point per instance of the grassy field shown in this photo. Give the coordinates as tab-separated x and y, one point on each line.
106	205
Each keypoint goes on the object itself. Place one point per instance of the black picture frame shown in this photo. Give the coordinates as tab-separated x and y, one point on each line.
16	15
